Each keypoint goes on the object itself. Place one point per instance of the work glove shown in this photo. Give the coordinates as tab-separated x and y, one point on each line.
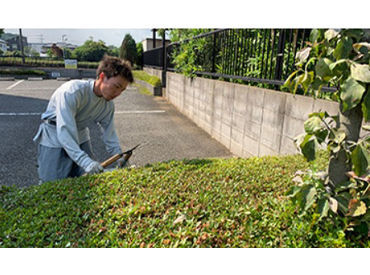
122	163
94	168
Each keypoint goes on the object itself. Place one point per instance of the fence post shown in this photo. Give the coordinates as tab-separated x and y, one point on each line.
154	38
21	44
214	52
280	56
164	69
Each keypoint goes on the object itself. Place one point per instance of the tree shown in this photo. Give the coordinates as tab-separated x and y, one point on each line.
91	51
341	59
128	49
140	51
113	51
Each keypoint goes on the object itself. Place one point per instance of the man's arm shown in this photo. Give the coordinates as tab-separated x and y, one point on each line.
109	134
66	108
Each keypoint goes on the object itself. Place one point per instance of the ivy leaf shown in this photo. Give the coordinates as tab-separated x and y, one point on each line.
366	106
360	72
322	69
309	147
351	93
343	48
312	125
356	208
360	159
323	207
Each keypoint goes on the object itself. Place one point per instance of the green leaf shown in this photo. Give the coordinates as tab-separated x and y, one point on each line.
316	35
360	159
312	125
354	33
333	204
303	54
343	200
360	72
356	208
339	136
351	93
366	106
323	207
322	69
330	34
321	135
309	147
339	67
309	193
307	80
343	48
321	115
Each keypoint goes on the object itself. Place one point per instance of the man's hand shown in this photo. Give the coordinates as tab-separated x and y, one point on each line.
122	162
94	168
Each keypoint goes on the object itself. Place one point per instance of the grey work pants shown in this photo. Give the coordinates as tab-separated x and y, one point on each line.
54	163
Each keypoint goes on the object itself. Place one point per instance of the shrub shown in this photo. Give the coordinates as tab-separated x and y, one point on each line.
190	203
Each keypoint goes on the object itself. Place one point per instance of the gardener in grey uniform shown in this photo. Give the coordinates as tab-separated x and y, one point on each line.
64	148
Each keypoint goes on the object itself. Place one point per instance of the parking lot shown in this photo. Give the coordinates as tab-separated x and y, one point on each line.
165	134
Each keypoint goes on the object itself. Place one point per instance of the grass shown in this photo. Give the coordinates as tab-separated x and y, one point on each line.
191	203
152	80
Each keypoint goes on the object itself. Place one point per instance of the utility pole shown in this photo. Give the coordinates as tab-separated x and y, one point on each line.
21	44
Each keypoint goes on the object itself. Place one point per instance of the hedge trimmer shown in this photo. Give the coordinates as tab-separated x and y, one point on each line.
126	156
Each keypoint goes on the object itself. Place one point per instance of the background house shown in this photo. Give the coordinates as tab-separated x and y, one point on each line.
13	41
148	43
3	46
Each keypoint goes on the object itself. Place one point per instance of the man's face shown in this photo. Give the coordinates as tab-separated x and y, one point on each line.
113	87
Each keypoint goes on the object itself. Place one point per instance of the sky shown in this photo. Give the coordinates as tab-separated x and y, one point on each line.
79	36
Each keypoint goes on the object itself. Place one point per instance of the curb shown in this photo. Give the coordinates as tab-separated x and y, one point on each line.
6	78
156	91
63	78
34	78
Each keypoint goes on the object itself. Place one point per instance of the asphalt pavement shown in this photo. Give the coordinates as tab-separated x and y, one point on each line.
165	134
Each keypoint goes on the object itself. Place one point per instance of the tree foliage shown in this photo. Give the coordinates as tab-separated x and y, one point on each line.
91	51
341	59
140	51
128	49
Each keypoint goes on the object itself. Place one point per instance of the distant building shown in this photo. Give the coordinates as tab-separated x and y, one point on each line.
148	43
13	41
3	46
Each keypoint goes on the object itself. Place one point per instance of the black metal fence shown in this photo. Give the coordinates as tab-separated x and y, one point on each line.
252	55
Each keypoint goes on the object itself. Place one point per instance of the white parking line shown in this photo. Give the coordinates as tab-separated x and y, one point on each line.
20	114
140	112
118	112
15	84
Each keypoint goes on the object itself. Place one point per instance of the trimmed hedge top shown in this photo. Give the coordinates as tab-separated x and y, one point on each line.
191	203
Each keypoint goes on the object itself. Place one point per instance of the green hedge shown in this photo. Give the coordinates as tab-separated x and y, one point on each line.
152	80
191	203
43	62
22	72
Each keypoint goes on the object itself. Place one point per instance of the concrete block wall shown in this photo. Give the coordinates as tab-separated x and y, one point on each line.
152	71
249	121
